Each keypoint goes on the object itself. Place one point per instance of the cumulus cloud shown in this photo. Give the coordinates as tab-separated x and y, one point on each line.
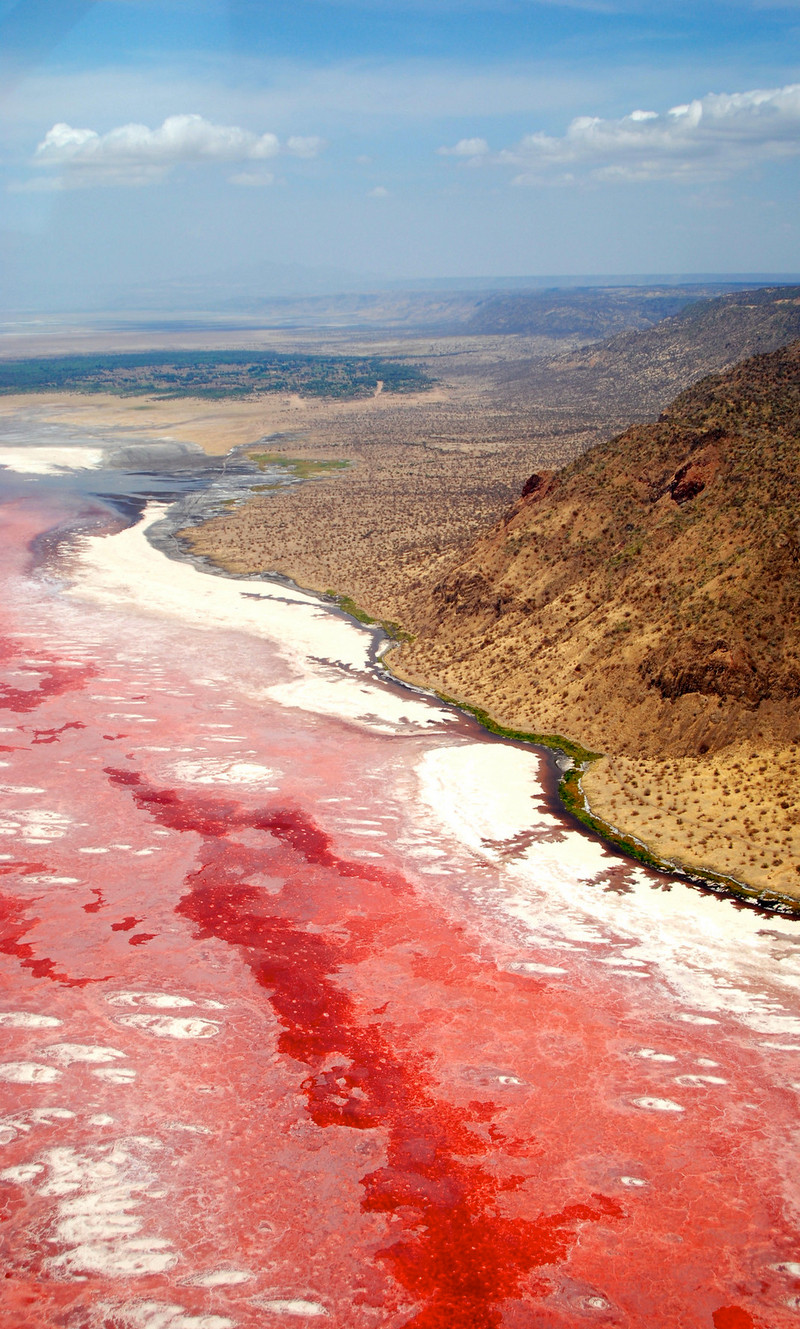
380	191
709	138
466	147
133	154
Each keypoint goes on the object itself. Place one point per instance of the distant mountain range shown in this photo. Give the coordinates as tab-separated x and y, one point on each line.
35	279
635	374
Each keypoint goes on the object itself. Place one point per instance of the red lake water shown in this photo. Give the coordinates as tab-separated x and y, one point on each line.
317	1010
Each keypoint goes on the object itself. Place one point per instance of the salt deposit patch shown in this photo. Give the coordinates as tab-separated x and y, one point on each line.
533	967
171	1026
162	1315
115	1074
215	770
328	655
28	1072
158	999
717	961
66	1053
482	793
50	461
21	1173
330	691
21	1123
95	1223
222	1278
28	1020
47	879
35	825
657	1105
697	1081
293	1306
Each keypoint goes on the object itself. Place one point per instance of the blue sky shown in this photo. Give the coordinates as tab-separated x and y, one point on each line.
145	143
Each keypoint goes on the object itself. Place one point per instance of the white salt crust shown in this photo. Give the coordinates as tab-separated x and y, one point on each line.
657	1104
162	1315
327	655
66	1053
34	460
718	961
28	1072
222	1278
22	1123
27	1020
171	1026
158	999
293	1306
35	825
115	1074
215	770
96	1226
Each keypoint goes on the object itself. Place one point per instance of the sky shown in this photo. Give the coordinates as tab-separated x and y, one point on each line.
184	151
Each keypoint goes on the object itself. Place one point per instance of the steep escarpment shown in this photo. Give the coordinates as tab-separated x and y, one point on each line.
644	600
647	595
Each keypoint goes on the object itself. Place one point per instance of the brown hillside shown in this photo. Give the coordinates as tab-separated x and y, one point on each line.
633	375
644	600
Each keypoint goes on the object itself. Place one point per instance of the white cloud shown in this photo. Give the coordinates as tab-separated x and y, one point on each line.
380	191
466	147
706	139
252	179
133	154
305	147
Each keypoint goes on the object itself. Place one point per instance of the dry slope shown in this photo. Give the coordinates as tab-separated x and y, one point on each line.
644	602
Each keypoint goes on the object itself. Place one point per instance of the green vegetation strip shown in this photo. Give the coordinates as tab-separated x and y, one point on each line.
304	468
350	607
554	741
570	789
214	374
574	800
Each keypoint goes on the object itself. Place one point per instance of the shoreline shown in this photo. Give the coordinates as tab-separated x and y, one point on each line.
575	802
572	796
573	799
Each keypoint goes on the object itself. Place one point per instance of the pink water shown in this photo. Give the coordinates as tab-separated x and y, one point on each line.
281	1045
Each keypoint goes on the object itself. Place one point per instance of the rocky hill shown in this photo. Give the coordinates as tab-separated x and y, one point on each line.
644	602
634	374
591	312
